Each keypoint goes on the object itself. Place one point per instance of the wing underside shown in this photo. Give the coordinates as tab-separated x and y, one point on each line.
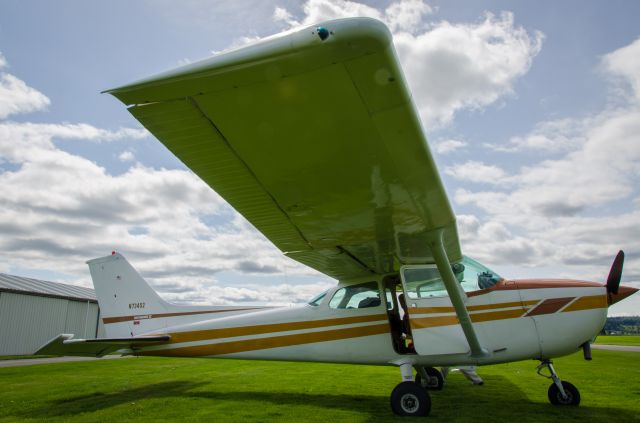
317	143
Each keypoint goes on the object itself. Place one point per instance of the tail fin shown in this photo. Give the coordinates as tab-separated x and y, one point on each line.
125	299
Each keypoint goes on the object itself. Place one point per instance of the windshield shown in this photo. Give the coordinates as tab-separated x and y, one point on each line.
317	300
473	275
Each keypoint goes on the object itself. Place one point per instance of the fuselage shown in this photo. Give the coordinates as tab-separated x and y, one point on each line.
515	320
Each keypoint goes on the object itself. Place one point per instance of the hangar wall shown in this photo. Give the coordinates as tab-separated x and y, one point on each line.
32	312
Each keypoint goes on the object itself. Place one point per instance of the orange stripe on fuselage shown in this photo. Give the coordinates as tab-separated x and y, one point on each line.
429	322
118	319
586	303
271	342
202	335
444	309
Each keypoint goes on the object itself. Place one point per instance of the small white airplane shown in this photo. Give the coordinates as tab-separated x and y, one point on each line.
313	137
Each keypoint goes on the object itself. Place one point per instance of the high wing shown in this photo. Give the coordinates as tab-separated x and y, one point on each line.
313	137
64	344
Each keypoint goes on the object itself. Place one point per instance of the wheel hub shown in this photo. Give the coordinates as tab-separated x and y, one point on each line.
566	399
409	403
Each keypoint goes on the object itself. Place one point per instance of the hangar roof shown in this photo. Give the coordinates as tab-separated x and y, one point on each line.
29	286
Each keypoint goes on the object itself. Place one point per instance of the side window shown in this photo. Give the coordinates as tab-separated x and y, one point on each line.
423	282
363	295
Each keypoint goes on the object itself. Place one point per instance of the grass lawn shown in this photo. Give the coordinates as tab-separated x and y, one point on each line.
163	389
618	339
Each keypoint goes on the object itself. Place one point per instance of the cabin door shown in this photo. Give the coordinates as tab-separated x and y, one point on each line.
434	325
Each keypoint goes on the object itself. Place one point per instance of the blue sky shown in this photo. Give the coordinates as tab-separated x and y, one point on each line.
533	120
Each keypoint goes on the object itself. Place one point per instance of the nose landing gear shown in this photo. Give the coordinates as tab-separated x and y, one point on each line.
560	392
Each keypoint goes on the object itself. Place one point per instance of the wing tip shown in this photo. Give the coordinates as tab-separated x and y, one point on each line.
362	28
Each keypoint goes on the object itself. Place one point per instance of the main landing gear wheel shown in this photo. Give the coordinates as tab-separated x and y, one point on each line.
571	397
435	382
410	399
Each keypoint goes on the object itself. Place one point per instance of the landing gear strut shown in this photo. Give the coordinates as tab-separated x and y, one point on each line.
429	378
560	392
409	398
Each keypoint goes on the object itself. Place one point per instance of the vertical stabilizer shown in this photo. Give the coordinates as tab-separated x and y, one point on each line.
125	299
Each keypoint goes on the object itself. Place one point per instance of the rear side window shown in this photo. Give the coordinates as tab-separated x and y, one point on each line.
362	295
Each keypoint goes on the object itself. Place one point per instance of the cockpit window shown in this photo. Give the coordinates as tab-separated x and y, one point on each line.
317	300
362	295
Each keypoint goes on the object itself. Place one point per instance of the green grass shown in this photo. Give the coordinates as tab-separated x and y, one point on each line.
618	340
162	389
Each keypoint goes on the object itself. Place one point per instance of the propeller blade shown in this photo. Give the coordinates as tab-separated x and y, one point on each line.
615	274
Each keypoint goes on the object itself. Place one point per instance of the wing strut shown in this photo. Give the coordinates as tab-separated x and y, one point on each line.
455	292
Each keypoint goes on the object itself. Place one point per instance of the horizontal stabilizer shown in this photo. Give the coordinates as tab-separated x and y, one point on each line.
65	345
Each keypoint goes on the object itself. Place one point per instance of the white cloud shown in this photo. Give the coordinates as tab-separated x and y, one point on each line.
126	156
603	168
449	146
454	67
407	15
322	10
32	141
280	14
555	136
248	294
449	67
474	171
16	96
624	63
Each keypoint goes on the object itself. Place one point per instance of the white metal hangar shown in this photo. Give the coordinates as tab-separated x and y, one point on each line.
33	311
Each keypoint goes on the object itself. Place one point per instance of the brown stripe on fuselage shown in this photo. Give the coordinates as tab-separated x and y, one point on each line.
550	306
496	315
505	285
431	310
429	322
586	303
107	320
202	335
271	342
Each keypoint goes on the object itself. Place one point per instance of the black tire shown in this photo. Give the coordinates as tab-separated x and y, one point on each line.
435	382
409	399
555	397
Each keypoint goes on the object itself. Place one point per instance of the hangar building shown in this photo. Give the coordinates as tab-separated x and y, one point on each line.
32	312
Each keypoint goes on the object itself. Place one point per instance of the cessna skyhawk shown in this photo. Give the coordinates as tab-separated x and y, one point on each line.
313	137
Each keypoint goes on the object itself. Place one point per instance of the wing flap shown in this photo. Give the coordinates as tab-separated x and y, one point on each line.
65	345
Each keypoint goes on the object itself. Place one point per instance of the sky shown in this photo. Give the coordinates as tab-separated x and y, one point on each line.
531	109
